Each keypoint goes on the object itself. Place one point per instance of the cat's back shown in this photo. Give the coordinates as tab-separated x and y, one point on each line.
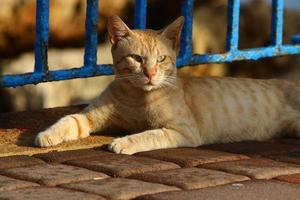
233	86
236	91
226	105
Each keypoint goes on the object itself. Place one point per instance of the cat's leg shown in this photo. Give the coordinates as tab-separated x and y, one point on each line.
153	139
70	127
76	126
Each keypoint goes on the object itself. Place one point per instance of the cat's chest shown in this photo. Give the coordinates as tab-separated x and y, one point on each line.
144	115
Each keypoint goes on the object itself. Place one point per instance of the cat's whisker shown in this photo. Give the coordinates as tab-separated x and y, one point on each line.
171	80
169	84
175	77
131	77
126	76
172	77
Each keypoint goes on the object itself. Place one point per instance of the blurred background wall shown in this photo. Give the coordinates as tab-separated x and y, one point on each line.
67	17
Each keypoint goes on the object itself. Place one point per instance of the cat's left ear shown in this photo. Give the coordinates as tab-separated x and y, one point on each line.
173	31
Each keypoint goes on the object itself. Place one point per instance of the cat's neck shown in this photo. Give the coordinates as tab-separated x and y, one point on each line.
128	91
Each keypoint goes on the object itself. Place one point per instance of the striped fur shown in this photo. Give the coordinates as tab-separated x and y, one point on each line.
164	111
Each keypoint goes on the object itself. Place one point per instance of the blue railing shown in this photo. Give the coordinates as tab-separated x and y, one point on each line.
186	57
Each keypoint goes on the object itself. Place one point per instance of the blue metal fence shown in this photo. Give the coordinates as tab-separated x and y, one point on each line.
186	57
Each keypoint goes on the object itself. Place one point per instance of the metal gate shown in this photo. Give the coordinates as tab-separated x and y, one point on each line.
90	67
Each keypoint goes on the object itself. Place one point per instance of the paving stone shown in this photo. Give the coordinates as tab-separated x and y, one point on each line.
58	157
122	165
256	168
293	157
190	157
52	175
7	183
120	188
294	178
42	193
18	161
190	178
290	141
248	190
253	148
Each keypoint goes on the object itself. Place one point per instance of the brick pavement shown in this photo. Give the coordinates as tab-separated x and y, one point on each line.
117	165
97	174
249	190
243	170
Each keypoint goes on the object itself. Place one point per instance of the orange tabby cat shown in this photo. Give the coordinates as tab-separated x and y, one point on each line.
166	111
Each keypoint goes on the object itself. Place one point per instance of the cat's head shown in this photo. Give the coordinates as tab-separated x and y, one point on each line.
145	59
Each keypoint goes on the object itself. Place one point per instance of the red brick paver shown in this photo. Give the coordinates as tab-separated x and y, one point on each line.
253	148
190	157
7	183
190	178
41	193
122	165
294	178
52	175
18	161
120	188
63	156
290	141
248	190
256	168
293	157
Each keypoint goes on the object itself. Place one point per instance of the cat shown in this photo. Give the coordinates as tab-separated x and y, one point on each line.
166	111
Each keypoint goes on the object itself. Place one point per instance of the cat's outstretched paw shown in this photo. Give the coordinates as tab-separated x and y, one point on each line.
47	139
122	146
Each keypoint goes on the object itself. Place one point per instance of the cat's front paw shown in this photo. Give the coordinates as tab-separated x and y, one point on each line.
47	139
122	146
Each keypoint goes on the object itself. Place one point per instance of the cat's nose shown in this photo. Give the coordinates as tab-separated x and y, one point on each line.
150	72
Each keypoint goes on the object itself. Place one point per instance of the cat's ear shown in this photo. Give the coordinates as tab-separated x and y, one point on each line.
117	29
173	31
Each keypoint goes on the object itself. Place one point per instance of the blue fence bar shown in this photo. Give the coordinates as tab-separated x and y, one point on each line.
140	18
186	57
277	22
246	54
186	50
42	34
91	32
232	39
295	39
55	75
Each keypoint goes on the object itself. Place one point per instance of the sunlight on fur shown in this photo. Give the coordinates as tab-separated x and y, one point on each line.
162	110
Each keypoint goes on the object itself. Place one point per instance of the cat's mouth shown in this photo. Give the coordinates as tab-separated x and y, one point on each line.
148	87
149	83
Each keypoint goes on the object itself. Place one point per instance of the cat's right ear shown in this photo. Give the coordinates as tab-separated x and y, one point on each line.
117	29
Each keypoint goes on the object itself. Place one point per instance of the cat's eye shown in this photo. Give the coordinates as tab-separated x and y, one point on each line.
161	59
137	58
